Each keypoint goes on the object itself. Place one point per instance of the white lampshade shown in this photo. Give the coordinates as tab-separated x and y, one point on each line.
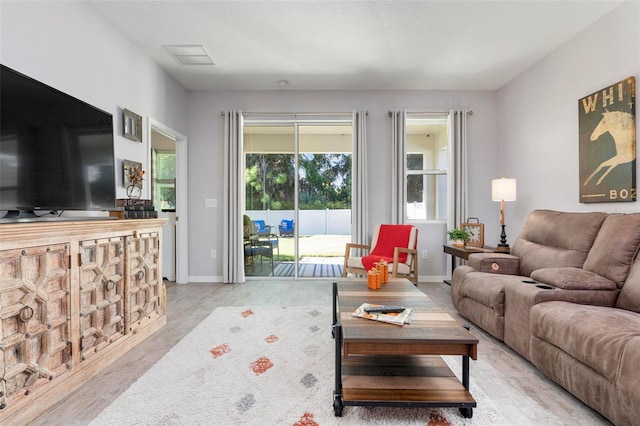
503	189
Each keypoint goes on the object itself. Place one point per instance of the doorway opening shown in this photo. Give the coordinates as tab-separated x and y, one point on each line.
168	159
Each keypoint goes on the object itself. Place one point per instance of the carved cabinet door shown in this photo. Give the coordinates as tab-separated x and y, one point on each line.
101	294
35	345
145	290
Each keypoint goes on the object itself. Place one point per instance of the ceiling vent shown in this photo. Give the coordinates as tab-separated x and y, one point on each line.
190	54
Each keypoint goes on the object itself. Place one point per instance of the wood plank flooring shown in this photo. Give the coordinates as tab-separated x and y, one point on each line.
523	394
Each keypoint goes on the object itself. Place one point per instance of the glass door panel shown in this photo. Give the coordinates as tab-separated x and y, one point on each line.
270	187
324	198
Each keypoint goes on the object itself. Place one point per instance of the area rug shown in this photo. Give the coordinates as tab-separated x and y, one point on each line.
262	366
308	270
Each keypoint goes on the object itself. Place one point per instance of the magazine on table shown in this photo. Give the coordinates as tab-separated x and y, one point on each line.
397	318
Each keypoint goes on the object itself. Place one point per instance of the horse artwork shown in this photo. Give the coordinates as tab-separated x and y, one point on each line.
621	126
608	144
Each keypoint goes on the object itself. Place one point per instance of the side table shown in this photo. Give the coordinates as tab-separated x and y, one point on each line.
463	253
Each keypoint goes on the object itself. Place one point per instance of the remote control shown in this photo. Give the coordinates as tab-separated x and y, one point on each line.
384	309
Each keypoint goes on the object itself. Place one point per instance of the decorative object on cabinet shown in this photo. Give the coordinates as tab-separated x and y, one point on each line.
131	125
133	175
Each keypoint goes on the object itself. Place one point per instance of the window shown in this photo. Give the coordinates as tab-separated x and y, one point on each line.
164	180
427	168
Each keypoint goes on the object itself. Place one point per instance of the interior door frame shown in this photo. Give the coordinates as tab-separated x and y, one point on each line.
182	200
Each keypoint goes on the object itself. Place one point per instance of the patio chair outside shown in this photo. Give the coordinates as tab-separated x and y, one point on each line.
259	243
261	228
287	228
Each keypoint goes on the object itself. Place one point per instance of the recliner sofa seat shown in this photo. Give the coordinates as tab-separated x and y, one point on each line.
566	298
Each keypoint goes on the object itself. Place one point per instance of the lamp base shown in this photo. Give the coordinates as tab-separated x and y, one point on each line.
503	248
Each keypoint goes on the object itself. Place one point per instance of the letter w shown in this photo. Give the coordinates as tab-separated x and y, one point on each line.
589	103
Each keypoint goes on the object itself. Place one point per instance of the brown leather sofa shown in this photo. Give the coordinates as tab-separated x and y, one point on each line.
567	298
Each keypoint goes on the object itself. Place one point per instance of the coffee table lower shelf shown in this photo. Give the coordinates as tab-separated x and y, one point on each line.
400	381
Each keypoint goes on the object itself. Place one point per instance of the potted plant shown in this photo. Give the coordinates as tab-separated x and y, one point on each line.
457	236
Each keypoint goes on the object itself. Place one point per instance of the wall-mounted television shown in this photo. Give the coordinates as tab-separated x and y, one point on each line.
56	151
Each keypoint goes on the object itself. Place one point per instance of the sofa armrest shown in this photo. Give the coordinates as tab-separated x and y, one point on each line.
495	263
569	278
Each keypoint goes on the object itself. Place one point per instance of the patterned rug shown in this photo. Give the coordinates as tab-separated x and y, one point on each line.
286	269
262	366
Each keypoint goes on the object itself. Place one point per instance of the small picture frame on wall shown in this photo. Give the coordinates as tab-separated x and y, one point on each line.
132	125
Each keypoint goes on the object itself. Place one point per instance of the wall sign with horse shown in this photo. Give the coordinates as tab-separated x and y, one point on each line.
607	124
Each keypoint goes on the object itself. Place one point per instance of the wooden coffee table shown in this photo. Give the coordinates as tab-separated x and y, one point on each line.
380	364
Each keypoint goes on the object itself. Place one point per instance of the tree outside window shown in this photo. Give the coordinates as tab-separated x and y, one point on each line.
164	180
325	181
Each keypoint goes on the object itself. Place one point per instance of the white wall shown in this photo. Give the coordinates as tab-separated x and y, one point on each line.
206	155
538	115
68	46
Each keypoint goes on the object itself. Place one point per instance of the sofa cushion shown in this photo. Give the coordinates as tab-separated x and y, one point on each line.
615	247
486	289
630	294
572	279
551	239
489	293
593	335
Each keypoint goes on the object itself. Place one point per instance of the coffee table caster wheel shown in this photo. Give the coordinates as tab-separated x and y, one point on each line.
467	413
337	407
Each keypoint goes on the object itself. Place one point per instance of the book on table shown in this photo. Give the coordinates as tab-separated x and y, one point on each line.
397	318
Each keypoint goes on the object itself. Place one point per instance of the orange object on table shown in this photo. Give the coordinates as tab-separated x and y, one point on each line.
373	279
383	267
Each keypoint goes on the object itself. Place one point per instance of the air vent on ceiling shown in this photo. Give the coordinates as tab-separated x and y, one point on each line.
190	54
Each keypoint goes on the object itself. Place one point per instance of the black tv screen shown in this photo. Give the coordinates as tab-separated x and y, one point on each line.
56	152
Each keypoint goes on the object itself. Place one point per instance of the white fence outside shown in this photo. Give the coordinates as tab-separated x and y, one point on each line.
309	222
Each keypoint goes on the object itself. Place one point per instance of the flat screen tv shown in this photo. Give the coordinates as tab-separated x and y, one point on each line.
56	151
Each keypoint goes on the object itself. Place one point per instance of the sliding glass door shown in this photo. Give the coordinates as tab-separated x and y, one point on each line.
297	197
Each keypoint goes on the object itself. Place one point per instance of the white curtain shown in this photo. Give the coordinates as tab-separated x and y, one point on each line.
398	172
359	232
233	256
460	199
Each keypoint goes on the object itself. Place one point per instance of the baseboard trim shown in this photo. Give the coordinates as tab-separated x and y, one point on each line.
218	279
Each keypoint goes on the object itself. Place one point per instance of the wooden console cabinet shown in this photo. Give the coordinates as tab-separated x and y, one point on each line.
74	297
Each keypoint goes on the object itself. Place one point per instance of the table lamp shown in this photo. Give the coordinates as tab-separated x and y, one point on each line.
502	190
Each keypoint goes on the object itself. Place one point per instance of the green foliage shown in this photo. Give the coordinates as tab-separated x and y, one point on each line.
325	181
457	234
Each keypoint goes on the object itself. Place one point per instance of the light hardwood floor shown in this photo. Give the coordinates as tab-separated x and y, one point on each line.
524	396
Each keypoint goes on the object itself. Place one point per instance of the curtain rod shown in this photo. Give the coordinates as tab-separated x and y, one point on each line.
469	112
295	114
